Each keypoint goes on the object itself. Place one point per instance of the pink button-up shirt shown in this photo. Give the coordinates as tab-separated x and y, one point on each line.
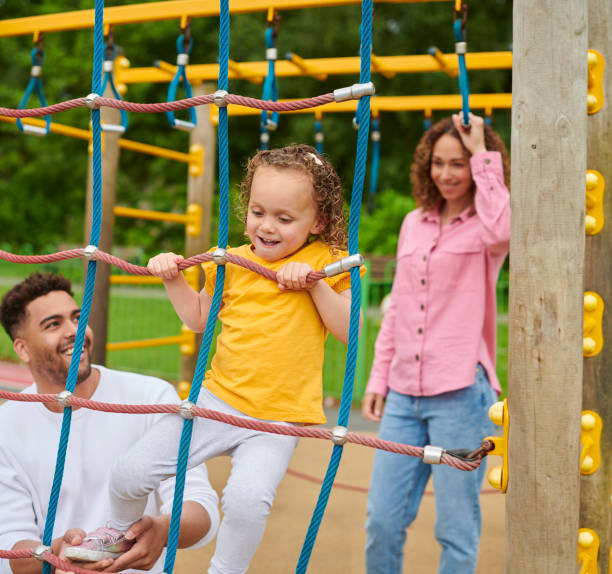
442	318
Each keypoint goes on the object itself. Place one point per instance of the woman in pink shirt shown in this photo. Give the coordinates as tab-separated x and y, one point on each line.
434	367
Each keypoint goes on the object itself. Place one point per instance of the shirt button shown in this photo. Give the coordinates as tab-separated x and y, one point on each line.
419	330
422	307
416	357
424	257
487	161
491	188
422	281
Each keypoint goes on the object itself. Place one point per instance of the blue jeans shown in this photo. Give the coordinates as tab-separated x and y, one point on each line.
458	419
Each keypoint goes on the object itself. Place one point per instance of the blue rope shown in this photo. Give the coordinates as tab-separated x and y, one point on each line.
269	121
464	86
374	162
363	113
181	76
89	280
198	376
109	79
37	57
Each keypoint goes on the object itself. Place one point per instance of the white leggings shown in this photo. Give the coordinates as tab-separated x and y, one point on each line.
259	462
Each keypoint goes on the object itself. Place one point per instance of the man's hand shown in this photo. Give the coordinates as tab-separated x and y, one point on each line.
74	537
372	406
151	535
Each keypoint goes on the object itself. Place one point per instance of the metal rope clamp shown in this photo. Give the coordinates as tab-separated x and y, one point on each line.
186	409
338	435
39	551
219	256
354	92
432	454
220	98
89	252
91	101
344	264
460	47
62	398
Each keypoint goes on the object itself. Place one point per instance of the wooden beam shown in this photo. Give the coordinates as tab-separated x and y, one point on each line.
546	285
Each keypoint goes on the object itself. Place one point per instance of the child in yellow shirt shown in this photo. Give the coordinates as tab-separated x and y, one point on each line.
269	358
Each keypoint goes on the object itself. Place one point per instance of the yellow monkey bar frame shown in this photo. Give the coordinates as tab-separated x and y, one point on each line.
156	11
318	68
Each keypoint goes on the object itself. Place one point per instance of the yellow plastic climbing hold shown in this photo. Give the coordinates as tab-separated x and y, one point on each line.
196	160
188	345
595	93
588	548
594	219
590	435
183	389
498	475
592	341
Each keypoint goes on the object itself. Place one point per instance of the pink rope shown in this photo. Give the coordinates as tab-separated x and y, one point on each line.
288	430
139	270
169	106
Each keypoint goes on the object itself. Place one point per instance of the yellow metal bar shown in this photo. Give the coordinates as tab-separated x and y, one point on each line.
151	215
157	11
306	67
192	158
378	66
134	280
389	104
320	68
452	69
240	71
145	343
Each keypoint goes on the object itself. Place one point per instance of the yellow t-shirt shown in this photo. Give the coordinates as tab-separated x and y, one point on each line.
269	358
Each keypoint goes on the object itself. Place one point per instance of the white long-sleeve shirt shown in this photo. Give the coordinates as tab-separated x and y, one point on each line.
29	439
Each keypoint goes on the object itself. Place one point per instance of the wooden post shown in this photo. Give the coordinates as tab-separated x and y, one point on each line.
200	190
595	489
546	285
98	318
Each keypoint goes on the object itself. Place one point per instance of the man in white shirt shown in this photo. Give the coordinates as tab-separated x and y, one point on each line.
41	317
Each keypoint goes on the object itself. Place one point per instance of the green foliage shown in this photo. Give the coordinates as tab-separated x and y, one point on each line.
43	180
379	229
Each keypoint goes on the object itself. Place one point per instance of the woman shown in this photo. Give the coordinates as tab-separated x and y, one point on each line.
434	366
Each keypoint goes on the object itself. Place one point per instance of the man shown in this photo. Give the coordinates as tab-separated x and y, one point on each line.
41	317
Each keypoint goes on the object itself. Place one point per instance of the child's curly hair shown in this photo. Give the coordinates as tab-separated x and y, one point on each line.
325	182
424	189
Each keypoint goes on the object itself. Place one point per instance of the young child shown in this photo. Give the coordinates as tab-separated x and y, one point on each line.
269	357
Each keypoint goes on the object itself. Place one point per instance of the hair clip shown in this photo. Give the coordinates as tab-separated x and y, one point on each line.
315	158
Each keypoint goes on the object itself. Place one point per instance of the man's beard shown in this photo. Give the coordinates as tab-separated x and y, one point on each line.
56	369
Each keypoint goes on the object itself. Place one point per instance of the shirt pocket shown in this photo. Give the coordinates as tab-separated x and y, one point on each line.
407	269
458	265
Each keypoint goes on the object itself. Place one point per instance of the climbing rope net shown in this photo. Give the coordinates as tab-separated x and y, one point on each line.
339	435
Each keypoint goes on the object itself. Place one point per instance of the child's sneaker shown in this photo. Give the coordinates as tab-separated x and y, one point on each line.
100	544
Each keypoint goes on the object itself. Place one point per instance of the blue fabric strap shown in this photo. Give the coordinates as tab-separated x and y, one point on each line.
269	121
464	86
108	79
37	57
183	46
374	162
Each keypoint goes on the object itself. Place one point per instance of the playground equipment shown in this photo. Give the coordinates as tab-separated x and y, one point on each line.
546	363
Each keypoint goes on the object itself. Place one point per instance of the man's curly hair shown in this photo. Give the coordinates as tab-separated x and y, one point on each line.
325	182
424	189
15	301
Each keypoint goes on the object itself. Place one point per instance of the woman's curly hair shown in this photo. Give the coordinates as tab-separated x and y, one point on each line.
325	182
424	189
